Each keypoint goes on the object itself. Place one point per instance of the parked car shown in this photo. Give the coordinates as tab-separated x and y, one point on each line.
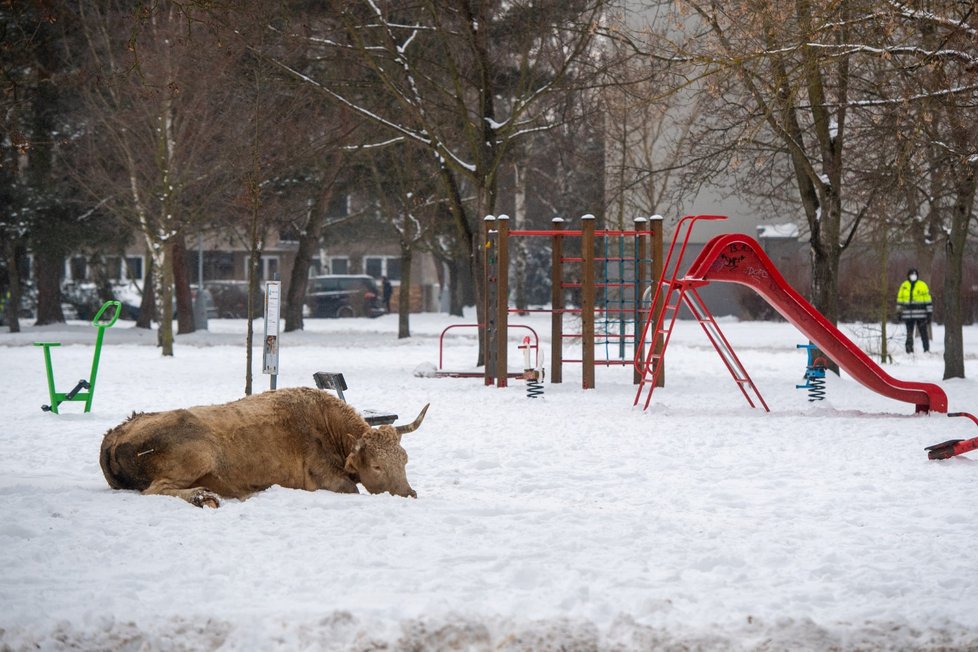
131	298
343	295
231	299
80	300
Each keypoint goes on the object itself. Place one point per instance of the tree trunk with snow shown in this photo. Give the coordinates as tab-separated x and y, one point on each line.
162	253
519	249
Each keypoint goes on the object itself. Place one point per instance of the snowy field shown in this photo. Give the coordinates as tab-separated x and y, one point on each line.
573	521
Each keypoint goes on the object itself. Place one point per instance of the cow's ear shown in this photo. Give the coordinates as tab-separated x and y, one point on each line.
353	459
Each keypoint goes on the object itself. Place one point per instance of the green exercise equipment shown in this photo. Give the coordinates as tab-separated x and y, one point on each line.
76	394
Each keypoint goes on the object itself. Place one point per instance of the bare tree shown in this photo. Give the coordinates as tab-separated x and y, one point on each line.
323	186
946	105
39	210
648	120
924	107
780	83
403	181
787	111
435	72
156	123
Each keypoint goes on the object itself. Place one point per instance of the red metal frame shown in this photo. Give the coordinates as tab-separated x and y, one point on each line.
679	292
465	374
954	447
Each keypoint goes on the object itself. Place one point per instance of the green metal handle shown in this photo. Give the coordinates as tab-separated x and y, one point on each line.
115	317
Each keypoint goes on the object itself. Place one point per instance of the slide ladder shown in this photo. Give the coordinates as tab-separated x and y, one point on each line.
672	293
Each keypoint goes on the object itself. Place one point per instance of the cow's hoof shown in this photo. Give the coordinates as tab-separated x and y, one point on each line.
204	498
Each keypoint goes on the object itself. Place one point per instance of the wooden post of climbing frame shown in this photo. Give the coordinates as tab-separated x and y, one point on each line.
587	301
489	239
638	316
557	302
656	224
502	300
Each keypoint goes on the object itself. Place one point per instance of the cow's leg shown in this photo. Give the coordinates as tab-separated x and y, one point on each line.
328	474
181	473
341	485
197	496
333	481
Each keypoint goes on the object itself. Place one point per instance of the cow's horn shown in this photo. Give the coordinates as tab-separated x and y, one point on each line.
411	427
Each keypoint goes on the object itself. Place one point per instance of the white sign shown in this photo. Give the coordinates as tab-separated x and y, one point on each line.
273	301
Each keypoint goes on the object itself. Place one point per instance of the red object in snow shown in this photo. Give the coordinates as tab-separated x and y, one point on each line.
953	447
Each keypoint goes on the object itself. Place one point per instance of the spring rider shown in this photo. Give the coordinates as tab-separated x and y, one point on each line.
77	394
532	376
814	373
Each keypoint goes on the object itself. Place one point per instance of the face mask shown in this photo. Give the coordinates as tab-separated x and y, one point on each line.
913	277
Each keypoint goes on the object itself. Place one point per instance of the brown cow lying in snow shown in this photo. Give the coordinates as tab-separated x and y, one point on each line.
301	438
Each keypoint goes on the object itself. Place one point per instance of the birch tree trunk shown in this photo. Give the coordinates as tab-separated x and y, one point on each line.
520	248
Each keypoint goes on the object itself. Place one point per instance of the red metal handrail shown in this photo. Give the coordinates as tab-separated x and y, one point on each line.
441	338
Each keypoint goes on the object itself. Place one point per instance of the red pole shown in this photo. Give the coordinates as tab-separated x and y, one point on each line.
656	224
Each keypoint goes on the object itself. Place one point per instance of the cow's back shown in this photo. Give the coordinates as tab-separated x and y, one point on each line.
278	437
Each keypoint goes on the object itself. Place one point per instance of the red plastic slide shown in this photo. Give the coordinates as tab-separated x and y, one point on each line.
738	258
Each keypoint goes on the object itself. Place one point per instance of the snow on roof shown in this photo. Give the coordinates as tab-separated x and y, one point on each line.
777	231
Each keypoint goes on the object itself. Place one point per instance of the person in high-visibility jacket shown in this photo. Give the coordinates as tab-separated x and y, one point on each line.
914	307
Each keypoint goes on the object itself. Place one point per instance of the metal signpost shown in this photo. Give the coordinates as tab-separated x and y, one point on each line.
273	300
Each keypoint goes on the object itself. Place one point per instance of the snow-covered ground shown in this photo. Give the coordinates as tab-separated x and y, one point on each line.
572	521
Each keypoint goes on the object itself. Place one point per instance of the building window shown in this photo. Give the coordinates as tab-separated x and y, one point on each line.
133	269
218	265
339	206
288	235
269	268
377	266
338	265
77	268
373	266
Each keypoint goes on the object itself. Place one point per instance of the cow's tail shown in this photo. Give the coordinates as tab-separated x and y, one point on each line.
120	466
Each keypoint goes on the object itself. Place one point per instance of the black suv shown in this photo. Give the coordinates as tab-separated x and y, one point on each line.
231	299
341	295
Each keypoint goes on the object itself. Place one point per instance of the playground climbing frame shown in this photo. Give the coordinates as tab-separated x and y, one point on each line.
611	289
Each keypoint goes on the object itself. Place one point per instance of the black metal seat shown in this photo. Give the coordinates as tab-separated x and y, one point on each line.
327	380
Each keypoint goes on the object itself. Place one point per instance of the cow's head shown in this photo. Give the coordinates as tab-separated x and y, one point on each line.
378	460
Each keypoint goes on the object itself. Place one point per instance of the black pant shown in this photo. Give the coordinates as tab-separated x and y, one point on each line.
921	325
